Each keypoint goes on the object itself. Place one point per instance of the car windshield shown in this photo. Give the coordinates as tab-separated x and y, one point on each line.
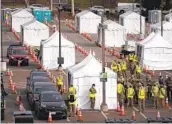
19	52
51	98
39	75
38	90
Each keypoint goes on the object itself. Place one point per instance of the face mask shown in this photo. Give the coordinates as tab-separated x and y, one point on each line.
93	86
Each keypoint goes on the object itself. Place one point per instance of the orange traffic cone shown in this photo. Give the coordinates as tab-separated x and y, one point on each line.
18	64
158	114
10	82
77	110
14	88
80	118
122	111
8	73
153	73
50	117
18	99
148	69
21	107
134	116
145	69
166	103
118	108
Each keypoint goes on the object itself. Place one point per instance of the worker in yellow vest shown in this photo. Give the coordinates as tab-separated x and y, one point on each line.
6	18
114	66
131	57
120	93
72	89
155	94
138	70
59	82
141	97
130	95
119	69
92	95
72	103
134	58
124	69
162	94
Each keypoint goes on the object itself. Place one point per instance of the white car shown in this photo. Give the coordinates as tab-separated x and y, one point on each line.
99	8
38	6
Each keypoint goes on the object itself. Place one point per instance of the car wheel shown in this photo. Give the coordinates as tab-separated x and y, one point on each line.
64	117
38	114
121	12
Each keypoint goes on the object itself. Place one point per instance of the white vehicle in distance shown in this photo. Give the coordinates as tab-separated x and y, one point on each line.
124	7
38	6
96	9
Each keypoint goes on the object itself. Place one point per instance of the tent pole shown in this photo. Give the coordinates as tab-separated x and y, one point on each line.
140	17
1	44
161	18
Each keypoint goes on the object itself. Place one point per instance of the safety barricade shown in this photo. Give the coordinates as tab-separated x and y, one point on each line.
160	120
119	120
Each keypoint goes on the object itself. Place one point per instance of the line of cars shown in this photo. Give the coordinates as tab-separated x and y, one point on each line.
43	97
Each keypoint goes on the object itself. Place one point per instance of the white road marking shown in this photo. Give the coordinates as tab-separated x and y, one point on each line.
68	119
140	112
104	114
168	72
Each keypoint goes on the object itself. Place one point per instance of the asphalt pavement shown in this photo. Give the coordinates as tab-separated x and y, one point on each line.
21	73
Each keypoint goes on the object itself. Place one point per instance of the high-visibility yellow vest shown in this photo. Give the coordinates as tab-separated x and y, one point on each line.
162	93
124	66
92	93
155	91
72	103
59	80
141	93
119	88
131	57
114	66
138	69
134	58
72	90
119	67
130	92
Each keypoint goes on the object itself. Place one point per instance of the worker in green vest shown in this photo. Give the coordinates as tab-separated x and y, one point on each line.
138	70
72	103
155	94
114	66
130	95
92	95
162	95
59	82
124	68
141	97
120	93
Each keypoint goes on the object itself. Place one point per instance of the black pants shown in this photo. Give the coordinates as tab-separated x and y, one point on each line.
169	92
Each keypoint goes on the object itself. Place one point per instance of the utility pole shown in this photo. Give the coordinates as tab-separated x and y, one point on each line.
140	17
73	8
161	18
1	43
51	5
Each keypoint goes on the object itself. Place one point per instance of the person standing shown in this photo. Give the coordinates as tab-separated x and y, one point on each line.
72	103
59	82
169	87
92	95
120	93
155	93
162	95
130	95
138	70
124	68
141	97
114	66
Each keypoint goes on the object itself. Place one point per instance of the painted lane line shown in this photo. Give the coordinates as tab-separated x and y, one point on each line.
168	72
104	114
68	119
140	112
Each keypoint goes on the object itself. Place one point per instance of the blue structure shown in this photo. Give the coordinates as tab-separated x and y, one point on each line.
40	15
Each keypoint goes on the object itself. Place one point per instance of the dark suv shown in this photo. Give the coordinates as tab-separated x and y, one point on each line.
18	54
37	88
10	47
68	8
50	101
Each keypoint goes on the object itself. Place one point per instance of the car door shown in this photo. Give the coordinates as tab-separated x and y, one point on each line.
30	94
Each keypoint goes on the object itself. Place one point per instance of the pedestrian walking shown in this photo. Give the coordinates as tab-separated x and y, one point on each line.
92	95
141	97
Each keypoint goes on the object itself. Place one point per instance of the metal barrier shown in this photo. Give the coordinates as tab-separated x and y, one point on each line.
23	117
119	120
160	120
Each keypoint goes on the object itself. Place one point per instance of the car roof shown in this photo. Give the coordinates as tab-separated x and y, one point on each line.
43	84
50	92
37	78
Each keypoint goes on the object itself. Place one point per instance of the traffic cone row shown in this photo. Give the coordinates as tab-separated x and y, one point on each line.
87	36
9	73
18	99
81	49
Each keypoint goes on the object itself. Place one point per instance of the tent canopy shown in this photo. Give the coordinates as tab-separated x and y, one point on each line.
54	41
87	14
21	13
157	41
166	26
131	15
113	26
34	25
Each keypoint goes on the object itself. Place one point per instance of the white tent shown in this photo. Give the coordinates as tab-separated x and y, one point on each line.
50	52
19	17
167	30
34	32
168	17
131	21
115	34
87	22
155	52
86	73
